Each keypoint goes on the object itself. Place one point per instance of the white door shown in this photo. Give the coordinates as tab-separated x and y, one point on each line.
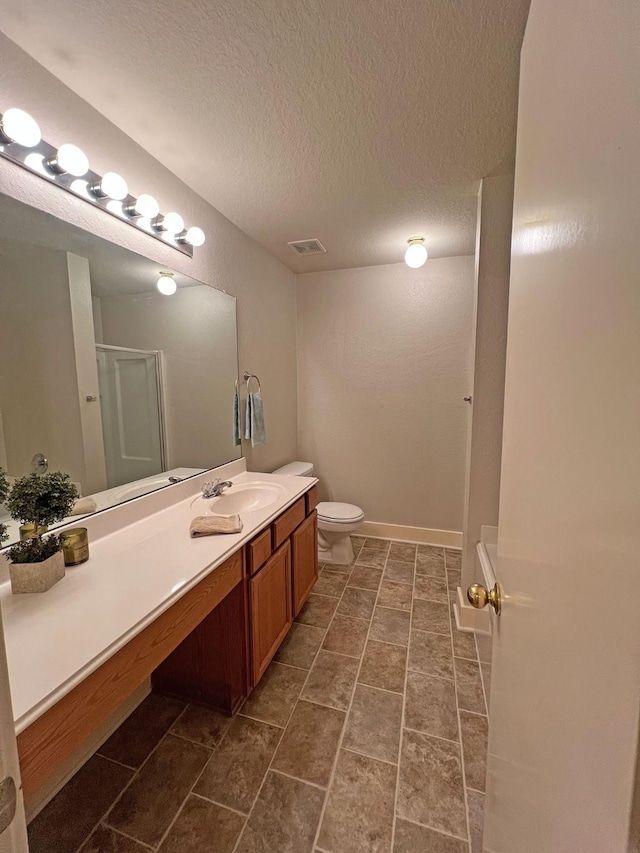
566	657
131	406
13	828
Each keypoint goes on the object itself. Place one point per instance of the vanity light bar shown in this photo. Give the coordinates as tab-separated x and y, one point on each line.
68	167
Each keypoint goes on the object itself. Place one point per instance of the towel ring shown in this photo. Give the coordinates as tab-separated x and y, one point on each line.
248	377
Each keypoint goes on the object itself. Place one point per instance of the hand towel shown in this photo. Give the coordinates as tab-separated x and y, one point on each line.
209	525
236	420
83	506
255	419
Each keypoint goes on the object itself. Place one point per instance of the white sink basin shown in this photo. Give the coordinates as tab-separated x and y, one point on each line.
239	498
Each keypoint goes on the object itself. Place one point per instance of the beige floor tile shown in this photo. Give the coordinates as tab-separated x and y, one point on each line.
357	602
340	568
475	732
273	698
331	680
433	589
77	808
430	561
431	654
464	644
285	817
452	558
485	669
346	636
235	772
202	825
105	840
431	616
374	723
411	838
476	820
300	646
318	611
431	789
150	803
365	577
390	626
469	684
359	813
453	579
402	551
399	572
383	666
202	726
395	595
431	706
330	583
380	544
372	557
310	742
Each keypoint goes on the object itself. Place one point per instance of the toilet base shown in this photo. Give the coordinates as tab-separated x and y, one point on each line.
336	548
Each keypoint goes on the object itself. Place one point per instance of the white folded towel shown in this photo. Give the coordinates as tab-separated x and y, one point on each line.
209	525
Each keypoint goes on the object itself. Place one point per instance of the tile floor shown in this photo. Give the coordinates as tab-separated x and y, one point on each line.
367	734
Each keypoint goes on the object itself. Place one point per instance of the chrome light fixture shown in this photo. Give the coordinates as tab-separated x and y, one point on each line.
416	255
67	166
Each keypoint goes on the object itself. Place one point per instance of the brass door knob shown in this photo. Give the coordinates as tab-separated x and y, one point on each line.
479	596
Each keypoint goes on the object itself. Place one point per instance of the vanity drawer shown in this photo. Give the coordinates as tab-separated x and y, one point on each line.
284	526
312	499
259	551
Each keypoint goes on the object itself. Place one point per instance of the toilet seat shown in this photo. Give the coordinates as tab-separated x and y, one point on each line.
335	512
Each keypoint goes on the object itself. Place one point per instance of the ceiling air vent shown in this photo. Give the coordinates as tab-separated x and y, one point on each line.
308	247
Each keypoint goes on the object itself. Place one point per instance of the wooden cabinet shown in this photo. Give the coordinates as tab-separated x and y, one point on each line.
304	560
270	610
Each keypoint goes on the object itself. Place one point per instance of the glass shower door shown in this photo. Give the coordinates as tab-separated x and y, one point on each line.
131	404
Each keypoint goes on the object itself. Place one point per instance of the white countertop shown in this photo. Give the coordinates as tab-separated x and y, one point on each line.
139	567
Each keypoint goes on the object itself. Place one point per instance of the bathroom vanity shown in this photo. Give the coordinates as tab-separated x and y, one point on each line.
202	618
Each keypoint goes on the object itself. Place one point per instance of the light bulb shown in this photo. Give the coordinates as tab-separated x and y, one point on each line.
416	254
171	222
18	126
194	236
166	285
145	205
111	185
70	159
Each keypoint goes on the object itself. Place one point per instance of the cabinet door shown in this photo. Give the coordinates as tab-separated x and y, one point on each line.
304	546
270	602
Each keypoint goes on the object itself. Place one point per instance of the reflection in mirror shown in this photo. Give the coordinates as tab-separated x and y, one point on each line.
125	389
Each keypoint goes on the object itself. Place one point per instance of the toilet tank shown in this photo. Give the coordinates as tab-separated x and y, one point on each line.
296	469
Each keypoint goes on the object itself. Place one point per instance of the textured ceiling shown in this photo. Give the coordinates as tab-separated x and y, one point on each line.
360	123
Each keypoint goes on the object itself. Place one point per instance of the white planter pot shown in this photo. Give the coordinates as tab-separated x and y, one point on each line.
37	577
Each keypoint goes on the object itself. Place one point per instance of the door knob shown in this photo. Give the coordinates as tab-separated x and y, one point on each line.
479	596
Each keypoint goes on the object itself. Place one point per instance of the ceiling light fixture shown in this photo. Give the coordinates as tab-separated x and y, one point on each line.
416	255
145	205
69	160
18	126
166	284
67	166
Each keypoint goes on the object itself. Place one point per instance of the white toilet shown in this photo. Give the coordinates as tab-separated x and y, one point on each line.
336	521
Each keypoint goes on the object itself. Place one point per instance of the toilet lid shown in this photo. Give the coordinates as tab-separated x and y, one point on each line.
334	511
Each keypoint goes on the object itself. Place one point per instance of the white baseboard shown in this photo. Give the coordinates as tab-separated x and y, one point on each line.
423	535
71	767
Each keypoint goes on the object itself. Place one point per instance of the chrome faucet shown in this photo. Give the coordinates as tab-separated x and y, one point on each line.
212	490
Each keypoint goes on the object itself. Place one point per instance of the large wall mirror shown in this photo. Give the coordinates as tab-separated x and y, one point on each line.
125	389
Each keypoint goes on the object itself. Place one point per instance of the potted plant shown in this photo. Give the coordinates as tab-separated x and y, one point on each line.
38	500
4	491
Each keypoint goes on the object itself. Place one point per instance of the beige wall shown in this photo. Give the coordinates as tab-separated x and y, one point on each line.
230	260
488	354
383	365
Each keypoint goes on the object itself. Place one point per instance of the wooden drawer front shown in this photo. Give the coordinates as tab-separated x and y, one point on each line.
312	499
284	526
270	609
259	551
54	737
304	561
